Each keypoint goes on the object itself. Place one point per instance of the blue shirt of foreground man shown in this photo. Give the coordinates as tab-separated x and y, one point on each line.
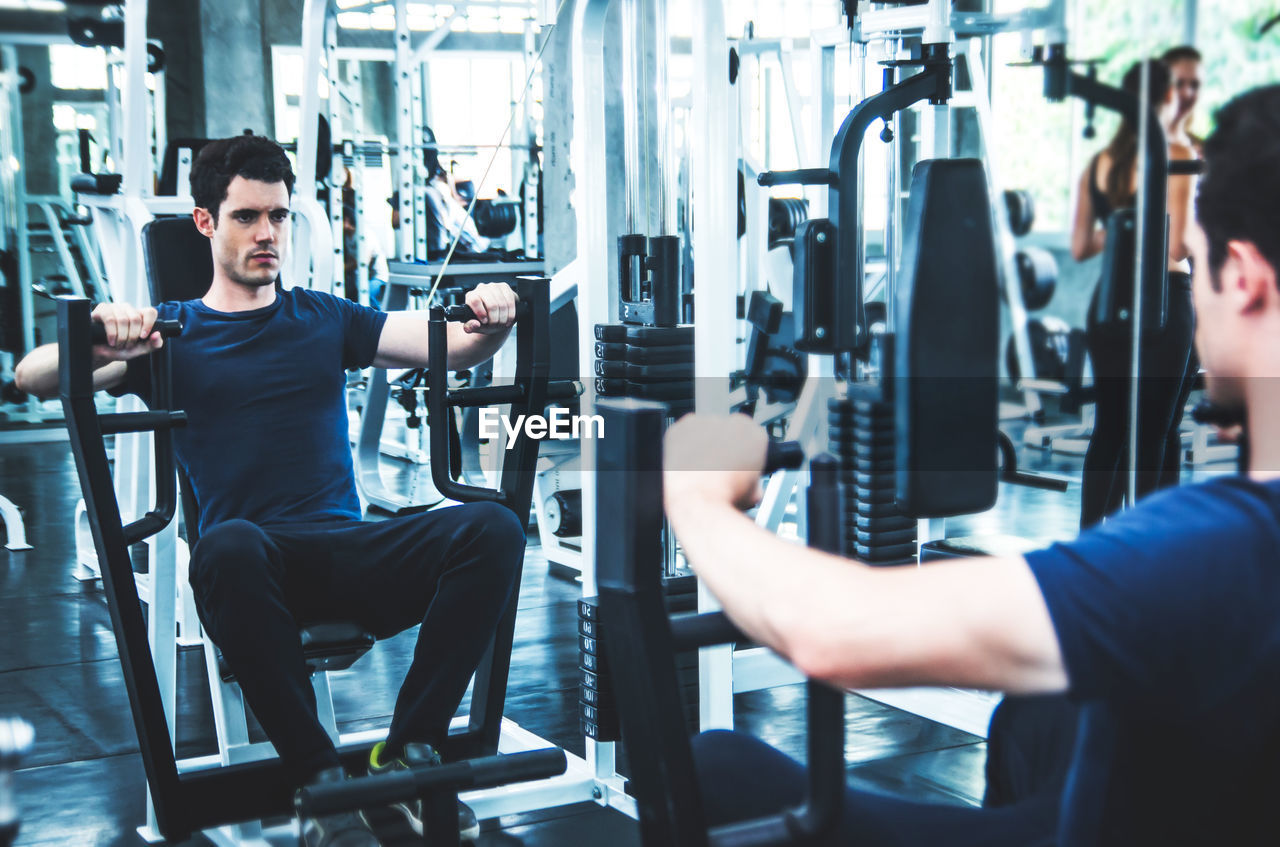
1163	624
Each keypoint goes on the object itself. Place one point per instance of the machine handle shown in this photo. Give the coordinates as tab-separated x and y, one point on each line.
167	329
783	455
803	176
464	312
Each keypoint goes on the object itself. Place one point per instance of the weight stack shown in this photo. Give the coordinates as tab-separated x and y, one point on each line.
597	702
861	436
646	362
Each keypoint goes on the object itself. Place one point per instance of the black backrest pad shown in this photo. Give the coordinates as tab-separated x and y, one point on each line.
178	258
946	351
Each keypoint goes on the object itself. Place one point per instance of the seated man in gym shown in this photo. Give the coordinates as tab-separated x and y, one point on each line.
1163	624
259	369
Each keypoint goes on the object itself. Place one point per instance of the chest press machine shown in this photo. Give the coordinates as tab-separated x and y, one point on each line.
188	796
940	405
915	438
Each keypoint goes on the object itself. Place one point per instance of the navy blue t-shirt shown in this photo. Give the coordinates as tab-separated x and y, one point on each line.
266	438
1168	617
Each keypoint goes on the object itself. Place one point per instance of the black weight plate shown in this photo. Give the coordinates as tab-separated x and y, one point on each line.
597	732
886	539
873	439
645	336
886	465
878	510
875	481
611	387
612	352
875	452
876	410
640	355
875	496
674	370
874	424
595	664
879	555
889	524
839	404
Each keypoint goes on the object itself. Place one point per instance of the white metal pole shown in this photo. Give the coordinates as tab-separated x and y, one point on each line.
403	156
312	240
596	302
137	163
714	254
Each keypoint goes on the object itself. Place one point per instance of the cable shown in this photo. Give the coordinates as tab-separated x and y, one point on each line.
448	256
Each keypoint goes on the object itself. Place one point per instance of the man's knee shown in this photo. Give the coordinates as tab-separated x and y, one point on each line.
230	555
496	528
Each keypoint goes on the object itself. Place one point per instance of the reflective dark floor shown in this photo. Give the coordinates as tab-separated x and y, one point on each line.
84	785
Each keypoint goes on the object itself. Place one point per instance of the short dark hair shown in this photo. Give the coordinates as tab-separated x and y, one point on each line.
1239	195
249	156
1181	53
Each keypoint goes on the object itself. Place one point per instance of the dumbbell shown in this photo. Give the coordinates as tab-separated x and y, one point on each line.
1037	276
1022	211
1050	339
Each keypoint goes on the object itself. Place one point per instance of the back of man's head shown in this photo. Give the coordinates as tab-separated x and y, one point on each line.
248	156
1239	196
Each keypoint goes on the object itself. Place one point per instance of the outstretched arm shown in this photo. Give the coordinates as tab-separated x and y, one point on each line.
403	343
129	335
978	623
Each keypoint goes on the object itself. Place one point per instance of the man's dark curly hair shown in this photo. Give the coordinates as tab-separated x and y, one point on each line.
249	156
1239	196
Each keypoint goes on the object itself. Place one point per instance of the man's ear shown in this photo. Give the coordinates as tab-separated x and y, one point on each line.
1248	272
204	221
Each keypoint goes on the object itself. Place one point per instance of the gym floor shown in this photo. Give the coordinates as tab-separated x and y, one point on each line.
84	784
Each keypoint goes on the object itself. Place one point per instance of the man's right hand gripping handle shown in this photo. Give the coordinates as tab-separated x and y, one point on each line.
127	332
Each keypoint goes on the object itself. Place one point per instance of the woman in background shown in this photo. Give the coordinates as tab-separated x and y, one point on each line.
1110	183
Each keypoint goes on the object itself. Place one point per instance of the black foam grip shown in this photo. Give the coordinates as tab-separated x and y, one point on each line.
783	454
167	329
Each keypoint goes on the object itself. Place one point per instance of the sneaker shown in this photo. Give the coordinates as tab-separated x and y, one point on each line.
347	829
416	754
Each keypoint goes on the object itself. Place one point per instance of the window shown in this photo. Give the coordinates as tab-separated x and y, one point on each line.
1235	58
72	67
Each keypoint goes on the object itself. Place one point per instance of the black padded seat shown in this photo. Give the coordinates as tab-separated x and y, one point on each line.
326	646
968	546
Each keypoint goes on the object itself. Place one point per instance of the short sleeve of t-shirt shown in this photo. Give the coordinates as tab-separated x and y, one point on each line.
1171	605
362	328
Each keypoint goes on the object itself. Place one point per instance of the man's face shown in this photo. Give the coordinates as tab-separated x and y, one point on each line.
1218	334
1186	85
251	236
